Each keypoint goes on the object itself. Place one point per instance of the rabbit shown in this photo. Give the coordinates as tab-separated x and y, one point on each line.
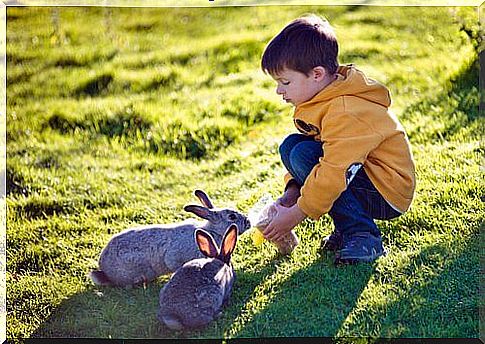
197	291
139	255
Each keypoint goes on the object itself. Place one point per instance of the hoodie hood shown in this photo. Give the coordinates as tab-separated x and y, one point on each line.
352	82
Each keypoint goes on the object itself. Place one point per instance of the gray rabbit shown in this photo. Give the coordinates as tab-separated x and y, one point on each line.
139	255
196	293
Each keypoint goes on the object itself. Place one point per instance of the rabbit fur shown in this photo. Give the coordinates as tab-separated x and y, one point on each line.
197	291
139	255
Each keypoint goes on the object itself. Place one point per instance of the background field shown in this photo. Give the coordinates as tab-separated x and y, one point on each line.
115	115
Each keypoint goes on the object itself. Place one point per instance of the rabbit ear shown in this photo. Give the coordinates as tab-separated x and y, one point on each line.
202	212
228	243
203	198
206	243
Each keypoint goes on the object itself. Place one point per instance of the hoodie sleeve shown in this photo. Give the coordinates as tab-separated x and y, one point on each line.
346	141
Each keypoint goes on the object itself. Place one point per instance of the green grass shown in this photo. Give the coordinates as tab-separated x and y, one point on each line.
115	116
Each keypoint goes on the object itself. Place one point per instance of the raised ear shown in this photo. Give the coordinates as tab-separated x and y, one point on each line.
228	243
203	198
202	212
206	243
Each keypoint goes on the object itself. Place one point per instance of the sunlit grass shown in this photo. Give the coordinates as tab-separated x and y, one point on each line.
114	123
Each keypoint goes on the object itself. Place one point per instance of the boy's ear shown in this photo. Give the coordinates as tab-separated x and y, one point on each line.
318	73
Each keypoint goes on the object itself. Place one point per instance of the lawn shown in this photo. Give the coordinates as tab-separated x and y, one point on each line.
115	116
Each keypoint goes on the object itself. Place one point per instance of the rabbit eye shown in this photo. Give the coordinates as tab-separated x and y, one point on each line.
232	217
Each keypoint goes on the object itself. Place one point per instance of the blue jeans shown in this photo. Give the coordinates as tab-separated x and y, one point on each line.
356	207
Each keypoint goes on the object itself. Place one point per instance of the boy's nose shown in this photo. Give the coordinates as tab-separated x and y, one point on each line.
279	90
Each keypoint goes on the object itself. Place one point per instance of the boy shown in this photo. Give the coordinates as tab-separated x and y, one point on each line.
352	159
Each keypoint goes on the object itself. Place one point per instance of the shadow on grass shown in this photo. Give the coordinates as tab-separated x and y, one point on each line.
458	109
104	312
436	294
314	301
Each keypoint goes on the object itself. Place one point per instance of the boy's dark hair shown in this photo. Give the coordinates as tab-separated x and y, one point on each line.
305	43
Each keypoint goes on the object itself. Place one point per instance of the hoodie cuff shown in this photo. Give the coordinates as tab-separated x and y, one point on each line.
309	211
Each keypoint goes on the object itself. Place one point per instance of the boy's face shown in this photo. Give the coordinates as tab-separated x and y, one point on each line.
296	87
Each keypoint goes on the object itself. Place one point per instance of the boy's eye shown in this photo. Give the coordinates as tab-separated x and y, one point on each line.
286	83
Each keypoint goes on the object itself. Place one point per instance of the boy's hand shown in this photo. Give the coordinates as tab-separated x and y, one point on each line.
285	220
290	196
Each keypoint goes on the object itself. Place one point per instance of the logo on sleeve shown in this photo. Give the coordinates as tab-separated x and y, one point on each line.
306	128
352	171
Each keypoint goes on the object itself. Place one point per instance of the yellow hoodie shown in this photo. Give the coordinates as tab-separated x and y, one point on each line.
351	119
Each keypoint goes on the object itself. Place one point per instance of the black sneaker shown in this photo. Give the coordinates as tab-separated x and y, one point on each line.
332	242
360	247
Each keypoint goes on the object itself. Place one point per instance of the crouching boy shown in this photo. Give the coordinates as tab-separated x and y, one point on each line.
351	159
